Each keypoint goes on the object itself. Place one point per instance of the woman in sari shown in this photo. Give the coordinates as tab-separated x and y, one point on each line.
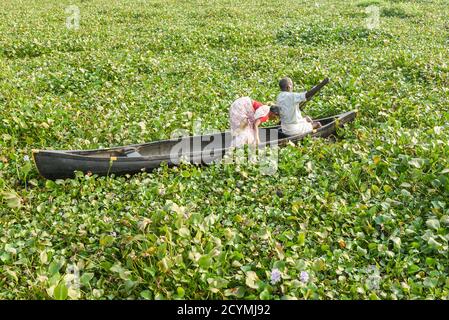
245	116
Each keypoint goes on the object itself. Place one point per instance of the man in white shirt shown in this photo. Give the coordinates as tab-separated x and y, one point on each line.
292	122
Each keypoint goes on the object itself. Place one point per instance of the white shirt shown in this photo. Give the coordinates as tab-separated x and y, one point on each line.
292	122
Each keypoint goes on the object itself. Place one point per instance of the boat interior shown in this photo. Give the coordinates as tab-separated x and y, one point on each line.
188	144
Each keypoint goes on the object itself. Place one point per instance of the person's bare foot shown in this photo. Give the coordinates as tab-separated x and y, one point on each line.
317	125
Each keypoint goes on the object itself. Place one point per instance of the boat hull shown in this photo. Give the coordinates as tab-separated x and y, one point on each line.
132	159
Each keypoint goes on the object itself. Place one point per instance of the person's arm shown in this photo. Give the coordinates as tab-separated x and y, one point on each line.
300	99
299	96
256	127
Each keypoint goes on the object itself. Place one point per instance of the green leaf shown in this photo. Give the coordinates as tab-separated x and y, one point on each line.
435	244
416	162
205	262
85	278
180	292
265	295
12	199
50	185
319	265
10	248
373	296
413	269
445	219
218	282
164	265
433	224
13	275
117	268
146	294
54	267
279	265
430	282
74	293
238	292
106	241
430	261
184	232
251	280
106	265
61	292
5	257
43	257
26	169
396	241
301	238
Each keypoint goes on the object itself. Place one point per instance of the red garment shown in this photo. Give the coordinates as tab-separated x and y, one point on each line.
256	105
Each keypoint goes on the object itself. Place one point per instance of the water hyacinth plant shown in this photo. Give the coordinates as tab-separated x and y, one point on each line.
304	276
275	276
94	74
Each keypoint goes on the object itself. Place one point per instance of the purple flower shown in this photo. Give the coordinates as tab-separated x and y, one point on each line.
304	276
275	276
26	158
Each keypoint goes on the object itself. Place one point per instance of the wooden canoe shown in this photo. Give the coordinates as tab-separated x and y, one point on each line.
205	149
